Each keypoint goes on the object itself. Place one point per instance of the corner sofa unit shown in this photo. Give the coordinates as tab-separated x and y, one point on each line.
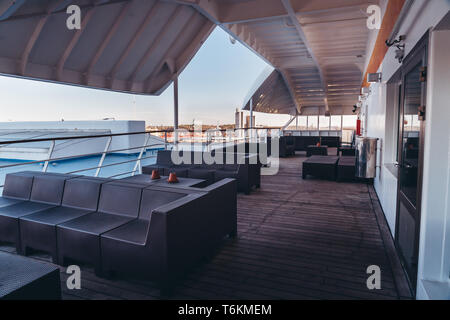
175	228
147	231
244	167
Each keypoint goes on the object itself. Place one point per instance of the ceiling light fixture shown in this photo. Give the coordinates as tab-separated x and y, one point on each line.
400	44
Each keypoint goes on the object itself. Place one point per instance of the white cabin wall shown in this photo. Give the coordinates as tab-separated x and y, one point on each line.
385	182
424	15
434	255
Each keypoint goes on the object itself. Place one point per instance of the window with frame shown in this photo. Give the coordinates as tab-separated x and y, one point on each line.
324	123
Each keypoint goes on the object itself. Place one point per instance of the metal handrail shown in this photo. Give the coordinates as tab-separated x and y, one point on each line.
148	133
75	156
129	134
233	138
109	165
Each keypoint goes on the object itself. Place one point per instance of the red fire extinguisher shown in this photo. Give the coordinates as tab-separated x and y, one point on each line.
358	127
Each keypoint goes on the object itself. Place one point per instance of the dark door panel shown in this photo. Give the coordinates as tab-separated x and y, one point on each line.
410	155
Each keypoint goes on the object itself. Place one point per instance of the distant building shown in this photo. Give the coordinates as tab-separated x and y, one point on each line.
247	122
239	119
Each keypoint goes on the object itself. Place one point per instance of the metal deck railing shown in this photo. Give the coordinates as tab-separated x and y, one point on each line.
191	139
205	139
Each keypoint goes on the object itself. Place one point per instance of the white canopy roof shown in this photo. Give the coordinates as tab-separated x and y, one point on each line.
272	96
318	48
133	46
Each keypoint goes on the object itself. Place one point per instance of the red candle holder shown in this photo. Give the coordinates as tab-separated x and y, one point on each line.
155	175
172	178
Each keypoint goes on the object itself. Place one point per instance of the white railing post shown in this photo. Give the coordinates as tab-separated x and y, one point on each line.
138	160
49	156
102	159
165	140
175	109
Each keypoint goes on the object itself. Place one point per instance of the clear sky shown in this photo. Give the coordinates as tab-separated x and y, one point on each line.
212	86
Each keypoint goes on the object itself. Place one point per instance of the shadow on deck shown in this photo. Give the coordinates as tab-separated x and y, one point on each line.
298	239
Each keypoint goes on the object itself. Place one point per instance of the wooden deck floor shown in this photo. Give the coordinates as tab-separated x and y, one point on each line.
298	239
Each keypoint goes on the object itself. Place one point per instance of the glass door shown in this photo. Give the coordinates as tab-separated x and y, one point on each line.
410	154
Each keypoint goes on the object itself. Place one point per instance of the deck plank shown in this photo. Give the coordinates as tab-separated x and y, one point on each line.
297	239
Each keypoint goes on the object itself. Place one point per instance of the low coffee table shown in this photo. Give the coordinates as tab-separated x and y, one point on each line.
23	278
316	151
182	182
320	166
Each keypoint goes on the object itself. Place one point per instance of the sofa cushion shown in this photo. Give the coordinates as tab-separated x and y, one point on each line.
5	202
164	158
134	232
48	189
224	174
153	199
18	186
149	169
231	167
214	166
120	198
95	223
205	174
82	193
180	171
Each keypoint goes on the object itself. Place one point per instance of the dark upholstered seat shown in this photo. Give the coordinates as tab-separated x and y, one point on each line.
321	167
346	169
17	189
136	230
204	174
23	208
331	142
224	174
302	142
245	166
230	167
38	230
175	228
347	151
152	199
4	201
316	151
46	192
79	238
149	169
53	217
286	146
96	223
222	197
124	248
179	171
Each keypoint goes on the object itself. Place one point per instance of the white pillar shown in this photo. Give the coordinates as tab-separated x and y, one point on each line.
251	113
251	120
175	109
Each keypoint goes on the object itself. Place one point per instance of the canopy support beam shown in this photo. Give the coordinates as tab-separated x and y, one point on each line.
289	122
293	16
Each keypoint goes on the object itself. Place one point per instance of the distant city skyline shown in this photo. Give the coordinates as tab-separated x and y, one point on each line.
212	86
